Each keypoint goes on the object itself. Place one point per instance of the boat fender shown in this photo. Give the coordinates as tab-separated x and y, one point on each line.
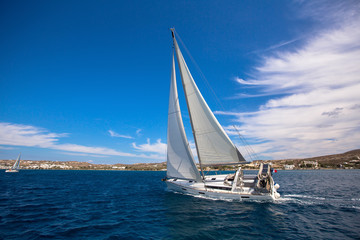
276	186
277	195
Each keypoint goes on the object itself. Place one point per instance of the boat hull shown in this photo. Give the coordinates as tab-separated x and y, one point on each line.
12	171
200	190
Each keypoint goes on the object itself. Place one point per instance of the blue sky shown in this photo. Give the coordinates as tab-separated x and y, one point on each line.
89	80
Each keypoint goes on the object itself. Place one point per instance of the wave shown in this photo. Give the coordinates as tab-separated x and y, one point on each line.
305	196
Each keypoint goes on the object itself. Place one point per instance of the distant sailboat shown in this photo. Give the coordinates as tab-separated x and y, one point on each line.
15	167
213	147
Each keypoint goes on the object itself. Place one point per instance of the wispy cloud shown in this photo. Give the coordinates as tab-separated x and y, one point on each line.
245	95
31	136
6	148
82	154
247	82
320	83
276	46
158	147
114	134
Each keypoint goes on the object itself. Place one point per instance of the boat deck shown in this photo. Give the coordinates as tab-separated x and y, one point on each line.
216	183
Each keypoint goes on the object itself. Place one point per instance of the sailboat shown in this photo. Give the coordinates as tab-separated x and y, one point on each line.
15	167
213	146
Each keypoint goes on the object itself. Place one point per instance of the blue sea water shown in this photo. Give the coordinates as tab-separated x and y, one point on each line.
319	204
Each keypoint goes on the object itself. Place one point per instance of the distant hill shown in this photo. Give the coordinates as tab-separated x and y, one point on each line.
357	151
74	165
347	160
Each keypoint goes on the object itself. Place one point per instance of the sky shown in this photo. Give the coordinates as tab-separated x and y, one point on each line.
89	80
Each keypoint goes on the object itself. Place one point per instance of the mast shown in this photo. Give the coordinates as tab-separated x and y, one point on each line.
191	121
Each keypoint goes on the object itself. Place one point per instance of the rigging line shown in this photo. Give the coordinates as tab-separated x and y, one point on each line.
252	150
247	146
249	149
217	100
246	143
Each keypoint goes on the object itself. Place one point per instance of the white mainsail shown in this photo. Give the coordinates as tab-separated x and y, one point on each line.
17	163
213	145
180	161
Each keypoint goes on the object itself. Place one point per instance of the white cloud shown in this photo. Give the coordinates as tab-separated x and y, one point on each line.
157	147
25	135
114	134
31	136
319	113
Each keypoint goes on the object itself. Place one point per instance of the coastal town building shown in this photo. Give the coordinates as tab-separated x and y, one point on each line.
311	164
289	166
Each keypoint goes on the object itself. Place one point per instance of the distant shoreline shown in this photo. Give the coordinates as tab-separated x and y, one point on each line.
144	170
347	160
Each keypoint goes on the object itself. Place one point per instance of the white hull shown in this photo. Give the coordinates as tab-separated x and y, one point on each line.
216	189
12	170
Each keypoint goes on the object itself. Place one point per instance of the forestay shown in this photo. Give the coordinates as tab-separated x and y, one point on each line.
213	145
180	161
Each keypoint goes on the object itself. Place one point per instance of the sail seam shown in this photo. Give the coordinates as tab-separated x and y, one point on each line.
173	112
